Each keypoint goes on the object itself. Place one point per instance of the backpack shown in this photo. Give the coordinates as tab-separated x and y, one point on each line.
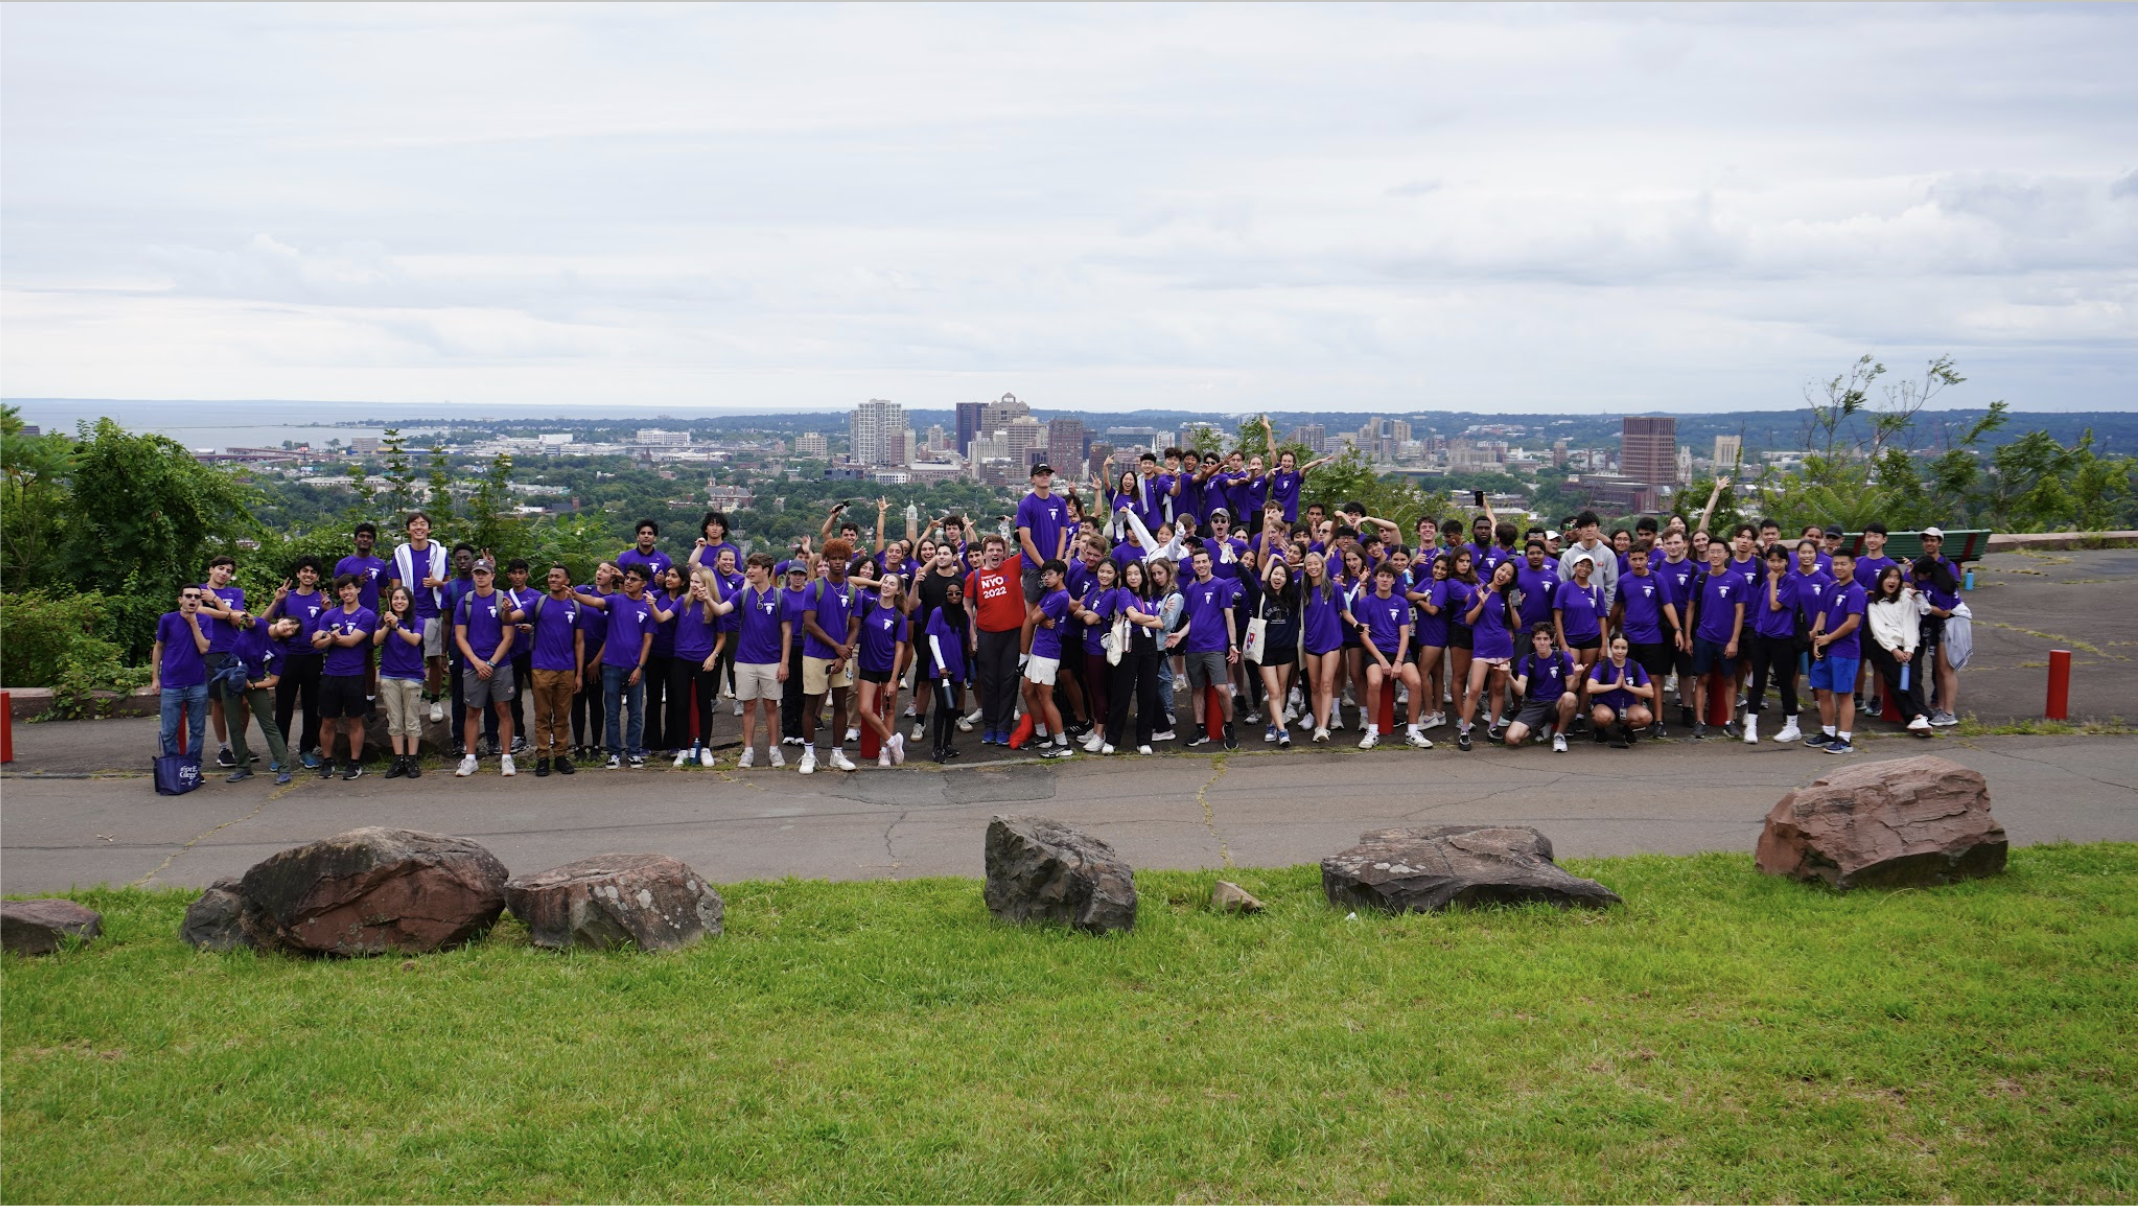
1959	637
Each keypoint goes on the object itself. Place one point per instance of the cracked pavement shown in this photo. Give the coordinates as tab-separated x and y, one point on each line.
1249	808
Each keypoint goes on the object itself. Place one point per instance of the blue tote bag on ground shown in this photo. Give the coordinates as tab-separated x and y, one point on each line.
177	774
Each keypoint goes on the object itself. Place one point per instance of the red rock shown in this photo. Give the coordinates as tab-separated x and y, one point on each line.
40	927
370	891
648	900
1909	822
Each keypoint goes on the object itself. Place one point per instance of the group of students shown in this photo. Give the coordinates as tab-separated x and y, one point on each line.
1068	629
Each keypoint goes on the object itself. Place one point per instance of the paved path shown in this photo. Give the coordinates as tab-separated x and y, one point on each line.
1250	808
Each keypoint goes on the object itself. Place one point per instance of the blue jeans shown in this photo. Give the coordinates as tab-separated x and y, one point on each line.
614	691
194	700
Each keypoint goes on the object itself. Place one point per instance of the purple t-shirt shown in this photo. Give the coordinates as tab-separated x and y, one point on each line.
400	658
693	640
1549	677
1538	587
882	628
306	610
1224	555
221	635
1047	642
183	665
758	617
1384	619
261	655
485	617
1869	569
1580	608
556	622
1284	490
1489	637
654	563
664	631
834	606
1642	595
1719	596
630	622
1841	603
1677	579
1604	674
1106	603
348	659
730	586
1794	590
1324	625
942	632
1045	517
1207	603
371	575
1430	628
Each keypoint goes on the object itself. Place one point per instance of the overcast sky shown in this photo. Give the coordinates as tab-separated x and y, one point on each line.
1102	207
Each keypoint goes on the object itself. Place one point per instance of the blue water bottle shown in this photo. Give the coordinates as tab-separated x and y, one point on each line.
1970	580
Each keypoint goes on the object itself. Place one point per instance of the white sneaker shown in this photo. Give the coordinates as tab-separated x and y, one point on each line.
1370	740
1143	749
705	756
854	733
965	723
682	756
839	760
776	759
505	767
1789	731
1093	742
920	729
1435	720
1417	740
808	764
738	707
1558	743
437	711
1166	735
749	757
883	757
1751	728
1106	750
1920	724
467	767
1321	736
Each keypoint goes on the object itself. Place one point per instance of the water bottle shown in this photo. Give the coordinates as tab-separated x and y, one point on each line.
1970	580
1904	678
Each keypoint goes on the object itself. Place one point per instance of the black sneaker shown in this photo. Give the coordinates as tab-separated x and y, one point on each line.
1685	717
1462	740
1604	738
415	766
398	767
1632	734
1202	737
1818	739
326	768
541	768
519	745
1658	732
1733	731
224	759
565	767
355	770
1699	732
239	775
1232	741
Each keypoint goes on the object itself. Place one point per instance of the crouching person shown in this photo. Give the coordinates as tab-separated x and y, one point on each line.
1544	681
1621	696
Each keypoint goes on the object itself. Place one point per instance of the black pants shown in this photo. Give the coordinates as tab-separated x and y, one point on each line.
1888	667
686	674
522	687
1776	654
657	735
945	725
790	695
590	713
724	664
299	682
1136	676
997	663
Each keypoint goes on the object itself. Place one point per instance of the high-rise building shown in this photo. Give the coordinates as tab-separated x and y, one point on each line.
937	441
1065	444
1022	436
969	419
654	435
813	446
1729	450
996	415
1648	449
1685	464
1313	435
1095	463
878	431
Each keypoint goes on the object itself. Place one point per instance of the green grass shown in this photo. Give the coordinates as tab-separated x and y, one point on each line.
1723	1036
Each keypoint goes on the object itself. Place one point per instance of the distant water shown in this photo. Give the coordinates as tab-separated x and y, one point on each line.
266	424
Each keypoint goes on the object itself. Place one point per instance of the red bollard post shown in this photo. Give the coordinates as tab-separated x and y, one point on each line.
871	745
1387	719
1721	699
7	728
1213	713
2059	685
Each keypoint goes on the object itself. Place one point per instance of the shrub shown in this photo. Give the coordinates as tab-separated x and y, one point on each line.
92	680
37	631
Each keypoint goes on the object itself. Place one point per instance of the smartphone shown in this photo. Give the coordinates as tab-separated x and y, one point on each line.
1478	497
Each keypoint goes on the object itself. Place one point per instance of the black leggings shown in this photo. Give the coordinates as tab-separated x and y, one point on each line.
685	673
656	681
1137	677
590	713
1778	654
945	724
1888	667
300	680
790	696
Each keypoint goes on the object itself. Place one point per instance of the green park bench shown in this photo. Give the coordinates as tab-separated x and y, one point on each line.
1961	545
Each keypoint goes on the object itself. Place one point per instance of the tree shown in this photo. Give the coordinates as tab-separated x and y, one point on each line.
141	503
400	496
440	504
33	502
491	523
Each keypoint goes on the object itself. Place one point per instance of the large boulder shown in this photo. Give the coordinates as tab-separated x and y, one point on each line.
372	891
431	738
40	927
648	900
216	921
1909	822
1438	867
1041	868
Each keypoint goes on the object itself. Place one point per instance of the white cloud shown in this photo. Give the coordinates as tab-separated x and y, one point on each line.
1099	207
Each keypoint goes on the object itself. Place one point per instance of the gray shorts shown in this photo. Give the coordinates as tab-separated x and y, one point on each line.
478	692
434	637
1206	668
1538	714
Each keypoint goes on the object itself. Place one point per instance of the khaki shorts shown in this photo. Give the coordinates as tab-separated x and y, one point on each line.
817	677
758	680
403	698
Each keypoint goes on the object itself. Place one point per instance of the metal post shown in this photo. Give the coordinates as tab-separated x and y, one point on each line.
2059	685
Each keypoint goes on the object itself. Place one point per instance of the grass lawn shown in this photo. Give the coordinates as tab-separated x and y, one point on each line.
1723	1036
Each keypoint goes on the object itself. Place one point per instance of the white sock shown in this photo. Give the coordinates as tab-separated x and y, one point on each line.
1827	729
809	748
1844	737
